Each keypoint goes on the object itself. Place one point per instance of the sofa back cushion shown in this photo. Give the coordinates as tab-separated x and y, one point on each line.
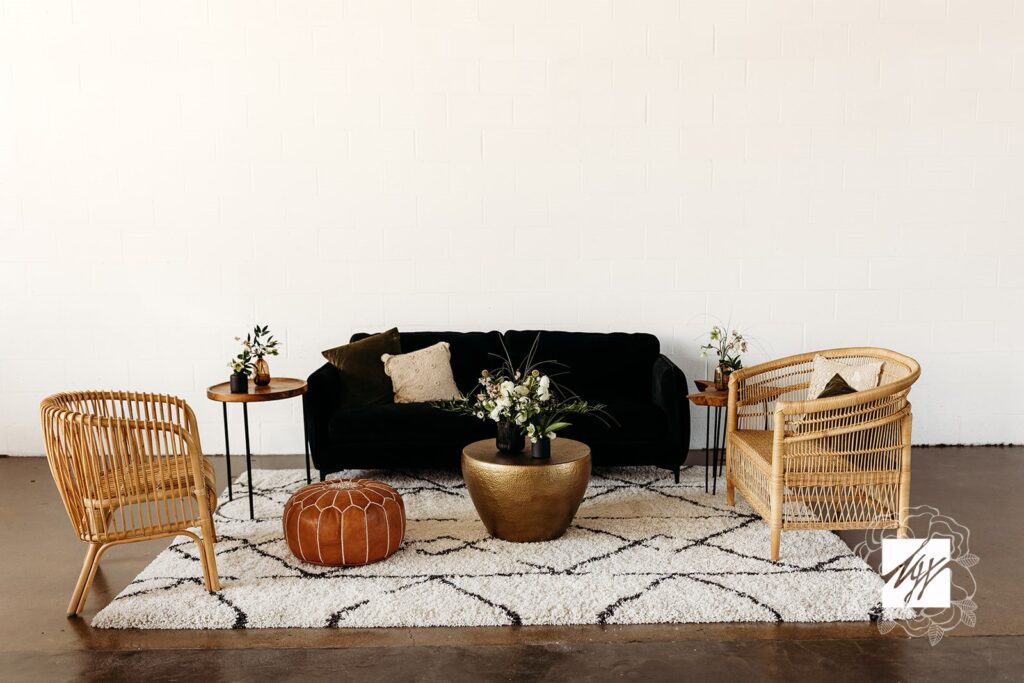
600	366
363	380
422	376
471	351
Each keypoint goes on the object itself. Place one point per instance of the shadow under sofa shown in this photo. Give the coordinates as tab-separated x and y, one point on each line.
644	391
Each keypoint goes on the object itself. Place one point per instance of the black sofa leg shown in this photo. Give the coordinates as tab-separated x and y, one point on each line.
323	475
676	471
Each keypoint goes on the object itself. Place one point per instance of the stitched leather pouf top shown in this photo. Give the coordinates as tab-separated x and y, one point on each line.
344	522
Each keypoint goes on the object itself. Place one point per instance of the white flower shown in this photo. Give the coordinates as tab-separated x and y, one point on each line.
544	389
522	390
500	408
552	435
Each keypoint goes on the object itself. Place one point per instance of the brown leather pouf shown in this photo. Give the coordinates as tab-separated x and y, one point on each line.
344	522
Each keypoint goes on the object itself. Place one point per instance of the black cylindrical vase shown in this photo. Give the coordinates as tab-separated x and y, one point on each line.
510	438
541	448
239	383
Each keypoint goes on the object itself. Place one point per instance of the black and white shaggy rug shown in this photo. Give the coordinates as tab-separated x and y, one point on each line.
641	550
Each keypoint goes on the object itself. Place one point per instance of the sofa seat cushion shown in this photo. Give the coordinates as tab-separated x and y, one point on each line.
633	421
405	423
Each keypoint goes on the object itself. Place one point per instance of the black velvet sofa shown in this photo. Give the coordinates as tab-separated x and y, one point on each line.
644	391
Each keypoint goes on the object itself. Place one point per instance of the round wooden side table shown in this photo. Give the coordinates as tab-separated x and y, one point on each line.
714	400
279	388
524	499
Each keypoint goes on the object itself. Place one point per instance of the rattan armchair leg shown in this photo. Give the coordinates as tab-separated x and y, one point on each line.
100	549
210	575
81	588
204	563
207	554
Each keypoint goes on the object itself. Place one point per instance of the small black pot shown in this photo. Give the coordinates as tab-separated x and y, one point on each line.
510	438
541	448
239	383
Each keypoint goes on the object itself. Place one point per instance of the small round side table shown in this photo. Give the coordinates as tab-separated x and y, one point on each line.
524	499
714	400
278	389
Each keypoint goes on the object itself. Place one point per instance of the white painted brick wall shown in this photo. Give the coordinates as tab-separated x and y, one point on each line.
822	172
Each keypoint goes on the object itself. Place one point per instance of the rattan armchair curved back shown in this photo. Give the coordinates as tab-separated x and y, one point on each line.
129	467
827	463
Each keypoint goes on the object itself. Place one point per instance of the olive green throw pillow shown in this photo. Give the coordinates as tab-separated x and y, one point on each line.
363	379
837	386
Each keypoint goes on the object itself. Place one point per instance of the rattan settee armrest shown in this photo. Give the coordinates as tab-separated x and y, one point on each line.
836	403
839	415
762	385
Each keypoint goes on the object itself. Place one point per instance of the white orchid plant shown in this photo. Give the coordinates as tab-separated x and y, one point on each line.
726	345
525	397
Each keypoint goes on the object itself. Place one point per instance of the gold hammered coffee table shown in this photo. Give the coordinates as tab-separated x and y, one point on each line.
524	499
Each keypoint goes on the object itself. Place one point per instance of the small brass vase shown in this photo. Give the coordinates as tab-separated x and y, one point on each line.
261	372
722	377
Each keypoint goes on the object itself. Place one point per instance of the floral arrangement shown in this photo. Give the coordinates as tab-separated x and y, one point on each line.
257	344
524	397
529	401
727	345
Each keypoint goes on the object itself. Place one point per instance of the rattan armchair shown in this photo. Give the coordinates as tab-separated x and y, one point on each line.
830	463
129	467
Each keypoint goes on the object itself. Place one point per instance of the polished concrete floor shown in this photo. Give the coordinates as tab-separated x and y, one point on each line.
40	559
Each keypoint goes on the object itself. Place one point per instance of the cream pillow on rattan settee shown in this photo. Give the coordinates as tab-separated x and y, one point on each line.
421	376
860	377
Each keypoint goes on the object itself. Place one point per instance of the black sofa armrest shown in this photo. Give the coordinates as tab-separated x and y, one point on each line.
668	388
318	403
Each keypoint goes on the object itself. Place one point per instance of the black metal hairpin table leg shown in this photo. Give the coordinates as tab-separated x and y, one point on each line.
720	427
227	450
248	457
707	448
714	455
725	434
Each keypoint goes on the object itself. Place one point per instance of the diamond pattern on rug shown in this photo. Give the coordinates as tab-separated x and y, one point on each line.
642	549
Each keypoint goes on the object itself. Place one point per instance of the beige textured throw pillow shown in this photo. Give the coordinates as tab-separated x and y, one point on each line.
860	376
421	376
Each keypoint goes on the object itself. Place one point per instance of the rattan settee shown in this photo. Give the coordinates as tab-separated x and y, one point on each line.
830	463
